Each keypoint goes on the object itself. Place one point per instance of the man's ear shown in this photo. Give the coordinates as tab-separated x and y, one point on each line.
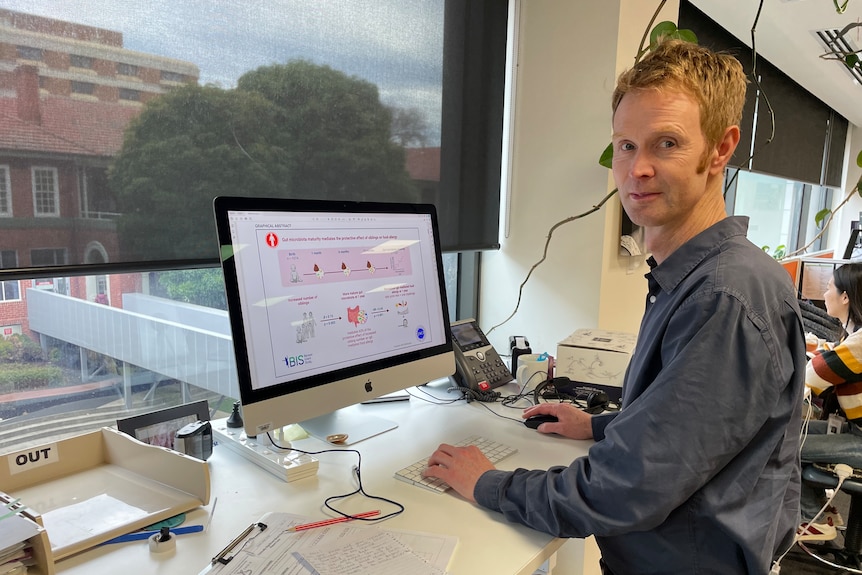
724	150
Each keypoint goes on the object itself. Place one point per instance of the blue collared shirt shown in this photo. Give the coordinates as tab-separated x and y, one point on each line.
699	471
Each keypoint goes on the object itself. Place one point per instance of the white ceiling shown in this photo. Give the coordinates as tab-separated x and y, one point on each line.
785	36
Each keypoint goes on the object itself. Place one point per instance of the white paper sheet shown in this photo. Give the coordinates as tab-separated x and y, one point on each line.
273	549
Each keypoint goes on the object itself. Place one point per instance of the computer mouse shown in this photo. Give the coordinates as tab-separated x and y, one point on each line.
537	420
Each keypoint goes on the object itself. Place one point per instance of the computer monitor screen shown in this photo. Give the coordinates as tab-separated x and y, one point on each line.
331	303
814	276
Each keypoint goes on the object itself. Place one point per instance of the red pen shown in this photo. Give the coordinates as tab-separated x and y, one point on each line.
326	522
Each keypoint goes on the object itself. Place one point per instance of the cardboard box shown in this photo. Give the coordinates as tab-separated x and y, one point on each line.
596	358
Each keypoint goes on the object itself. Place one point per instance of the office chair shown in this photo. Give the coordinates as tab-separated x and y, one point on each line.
846	557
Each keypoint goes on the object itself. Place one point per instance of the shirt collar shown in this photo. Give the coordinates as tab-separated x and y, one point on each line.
687	257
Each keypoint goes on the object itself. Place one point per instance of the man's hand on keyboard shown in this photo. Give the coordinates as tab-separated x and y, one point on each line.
460	467
571	422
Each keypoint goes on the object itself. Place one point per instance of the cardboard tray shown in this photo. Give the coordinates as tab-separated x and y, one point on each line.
94	487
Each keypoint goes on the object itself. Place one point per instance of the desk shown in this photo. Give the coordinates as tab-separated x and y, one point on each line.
487	542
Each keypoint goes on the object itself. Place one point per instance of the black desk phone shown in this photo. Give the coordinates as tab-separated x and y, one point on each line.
478	365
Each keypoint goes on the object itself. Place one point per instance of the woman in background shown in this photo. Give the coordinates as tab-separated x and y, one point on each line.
836	369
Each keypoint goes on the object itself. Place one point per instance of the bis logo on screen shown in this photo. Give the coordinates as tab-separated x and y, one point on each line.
297	360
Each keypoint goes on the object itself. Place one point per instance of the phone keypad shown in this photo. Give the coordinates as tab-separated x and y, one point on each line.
489	368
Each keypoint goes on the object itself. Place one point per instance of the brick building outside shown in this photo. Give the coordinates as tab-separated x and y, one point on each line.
67	93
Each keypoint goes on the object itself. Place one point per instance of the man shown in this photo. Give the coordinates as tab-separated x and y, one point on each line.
699	470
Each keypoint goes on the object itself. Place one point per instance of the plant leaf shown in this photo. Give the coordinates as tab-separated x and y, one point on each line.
859	159
851	60
687	35
607	157
661	29
820	216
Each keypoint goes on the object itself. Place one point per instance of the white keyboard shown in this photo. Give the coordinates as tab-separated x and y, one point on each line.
493	450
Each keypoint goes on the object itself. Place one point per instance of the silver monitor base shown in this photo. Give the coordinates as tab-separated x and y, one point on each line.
355	424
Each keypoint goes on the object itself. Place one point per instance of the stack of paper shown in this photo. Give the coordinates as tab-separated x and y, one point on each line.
15	551
336	550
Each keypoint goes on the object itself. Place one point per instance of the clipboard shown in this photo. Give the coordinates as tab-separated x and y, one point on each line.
267	545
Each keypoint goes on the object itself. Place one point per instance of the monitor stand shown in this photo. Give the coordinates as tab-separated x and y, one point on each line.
350	421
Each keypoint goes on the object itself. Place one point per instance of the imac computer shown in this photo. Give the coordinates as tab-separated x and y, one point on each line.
331	303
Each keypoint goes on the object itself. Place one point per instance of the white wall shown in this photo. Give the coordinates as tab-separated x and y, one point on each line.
840	231
569	56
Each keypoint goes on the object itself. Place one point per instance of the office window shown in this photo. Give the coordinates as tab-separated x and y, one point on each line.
78	61
30	53
130	95
46	193
83	87
372	115
781	211
5	192
124	69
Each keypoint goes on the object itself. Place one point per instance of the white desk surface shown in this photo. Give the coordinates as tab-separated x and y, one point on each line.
487	542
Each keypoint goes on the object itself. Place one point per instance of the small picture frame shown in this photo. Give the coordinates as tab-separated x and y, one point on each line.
160	427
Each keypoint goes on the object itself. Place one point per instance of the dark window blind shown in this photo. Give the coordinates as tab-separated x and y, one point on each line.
805	127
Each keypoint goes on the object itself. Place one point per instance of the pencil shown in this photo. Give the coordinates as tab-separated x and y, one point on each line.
326	522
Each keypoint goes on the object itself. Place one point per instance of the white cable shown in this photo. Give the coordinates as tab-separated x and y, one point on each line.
842	471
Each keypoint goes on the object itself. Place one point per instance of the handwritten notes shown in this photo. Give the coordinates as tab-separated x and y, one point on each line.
341	549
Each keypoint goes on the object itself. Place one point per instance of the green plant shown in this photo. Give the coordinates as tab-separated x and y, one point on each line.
19	348
778	253
20	377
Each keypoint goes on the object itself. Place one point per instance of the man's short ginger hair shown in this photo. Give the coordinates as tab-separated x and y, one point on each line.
715	81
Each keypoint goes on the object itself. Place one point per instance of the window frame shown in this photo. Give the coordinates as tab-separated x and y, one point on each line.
3	284
124	67
62	252
14	256
75	61
170	76
808	200
89	88
5	191
125	93
55	194
27	52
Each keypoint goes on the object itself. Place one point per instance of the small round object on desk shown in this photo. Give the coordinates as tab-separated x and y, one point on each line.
337	438
163	541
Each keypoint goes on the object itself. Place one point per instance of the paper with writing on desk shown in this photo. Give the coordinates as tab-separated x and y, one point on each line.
274	550
380	554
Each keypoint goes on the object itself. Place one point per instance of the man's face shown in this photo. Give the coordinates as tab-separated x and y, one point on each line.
659	163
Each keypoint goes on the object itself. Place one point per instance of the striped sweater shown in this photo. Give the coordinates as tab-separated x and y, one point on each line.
841	368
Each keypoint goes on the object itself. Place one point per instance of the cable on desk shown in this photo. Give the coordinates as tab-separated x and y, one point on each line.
433	398
359	489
